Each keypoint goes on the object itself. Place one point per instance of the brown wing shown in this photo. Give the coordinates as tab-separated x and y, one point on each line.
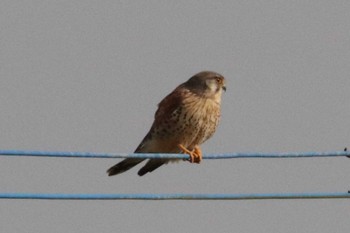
154	141
160	139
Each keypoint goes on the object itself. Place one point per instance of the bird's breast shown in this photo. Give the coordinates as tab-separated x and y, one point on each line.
191	123
199	120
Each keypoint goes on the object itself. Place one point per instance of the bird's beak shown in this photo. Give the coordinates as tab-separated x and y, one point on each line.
224	88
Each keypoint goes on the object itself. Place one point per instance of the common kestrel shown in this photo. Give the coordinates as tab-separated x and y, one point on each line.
185	119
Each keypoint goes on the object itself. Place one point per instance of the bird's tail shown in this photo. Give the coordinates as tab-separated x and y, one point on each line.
151	165
123	166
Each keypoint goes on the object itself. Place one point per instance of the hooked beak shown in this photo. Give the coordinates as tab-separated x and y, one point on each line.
224	88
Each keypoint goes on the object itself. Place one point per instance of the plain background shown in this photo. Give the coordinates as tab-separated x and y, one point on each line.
88	75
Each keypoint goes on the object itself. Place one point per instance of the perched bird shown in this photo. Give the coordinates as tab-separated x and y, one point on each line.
185	119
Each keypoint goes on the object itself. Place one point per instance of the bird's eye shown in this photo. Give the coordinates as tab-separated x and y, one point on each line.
218	80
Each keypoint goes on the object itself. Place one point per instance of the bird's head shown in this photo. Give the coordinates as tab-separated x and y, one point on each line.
207	83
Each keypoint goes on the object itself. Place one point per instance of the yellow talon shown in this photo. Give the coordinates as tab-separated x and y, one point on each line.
195	154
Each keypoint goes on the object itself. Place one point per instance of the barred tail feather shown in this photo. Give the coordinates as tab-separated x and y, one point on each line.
123	166
150	166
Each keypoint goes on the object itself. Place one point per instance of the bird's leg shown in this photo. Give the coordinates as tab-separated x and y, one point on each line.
186	151
195	154
197	151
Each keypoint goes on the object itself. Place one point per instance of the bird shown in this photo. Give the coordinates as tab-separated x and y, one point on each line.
185	119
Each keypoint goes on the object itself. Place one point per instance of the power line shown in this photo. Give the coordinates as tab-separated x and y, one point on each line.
62	154
180	196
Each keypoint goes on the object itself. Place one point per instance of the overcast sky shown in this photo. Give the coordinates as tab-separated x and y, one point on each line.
88	75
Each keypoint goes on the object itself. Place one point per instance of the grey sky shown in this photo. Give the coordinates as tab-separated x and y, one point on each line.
87	76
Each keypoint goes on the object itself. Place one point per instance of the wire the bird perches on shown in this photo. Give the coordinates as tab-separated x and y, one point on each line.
62	154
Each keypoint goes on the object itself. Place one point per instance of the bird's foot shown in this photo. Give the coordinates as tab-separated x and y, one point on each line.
195	154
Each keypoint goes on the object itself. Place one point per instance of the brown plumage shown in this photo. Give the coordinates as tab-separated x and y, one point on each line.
185	119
